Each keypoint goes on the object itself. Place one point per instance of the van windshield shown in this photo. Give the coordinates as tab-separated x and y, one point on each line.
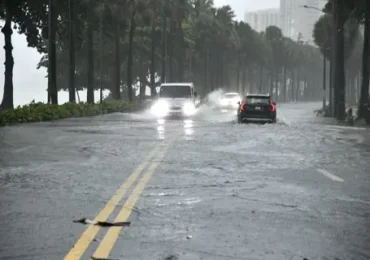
175	91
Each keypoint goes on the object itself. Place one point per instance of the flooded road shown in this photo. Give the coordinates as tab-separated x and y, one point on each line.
201	188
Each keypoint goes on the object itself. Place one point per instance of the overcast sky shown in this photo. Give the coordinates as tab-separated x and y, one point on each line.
30	83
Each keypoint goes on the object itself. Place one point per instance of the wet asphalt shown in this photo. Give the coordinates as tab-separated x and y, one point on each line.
211	189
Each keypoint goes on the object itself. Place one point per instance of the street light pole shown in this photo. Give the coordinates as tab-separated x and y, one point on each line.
324	66
312	7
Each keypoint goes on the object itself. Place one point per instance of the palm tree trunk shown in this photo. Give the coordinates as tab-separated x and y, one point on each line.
351	88
252	80
348	84
152	64
276	79
261	78
364	96
324	83
101	55
164	49
90	62
170	52
339	73
71	50
331	94
333	62
7	102
298	85
141	73
359	83
180	59
212	71
272	82
130	57
221	67
238	75
284	83
244	79
117	74
306	91
292	85
52	75
206	68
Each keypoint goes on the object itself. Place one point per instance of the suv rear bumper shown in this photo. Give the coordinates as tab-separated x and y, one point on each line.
271	116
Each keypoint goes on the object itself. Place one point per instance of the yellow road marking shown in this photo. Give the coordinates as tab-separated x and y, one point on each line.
84	241
113	233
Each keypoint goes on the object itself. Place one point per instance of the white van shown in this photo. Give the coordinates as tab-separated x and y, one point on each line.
175	99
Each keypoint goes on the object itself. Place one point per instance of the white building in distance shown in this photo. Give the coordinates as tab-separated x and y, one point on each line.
262	19
297	19
292	17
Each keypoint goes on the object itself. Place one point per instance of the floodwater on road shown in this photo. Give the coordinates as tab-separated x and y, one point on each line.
197	188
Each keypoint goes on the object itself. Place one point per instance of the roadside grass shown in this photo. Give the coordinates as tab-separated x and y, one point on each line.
38	112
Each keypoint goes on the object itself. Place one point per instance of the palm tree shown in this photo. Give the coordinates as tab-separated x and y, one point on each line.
7	102
274	37
179	40
71	49
364	98
27	17
131	51
203	19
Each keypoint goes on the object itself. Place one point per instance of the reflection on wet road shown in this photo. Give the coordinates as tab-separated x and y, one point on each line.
200	188
188	127
161	129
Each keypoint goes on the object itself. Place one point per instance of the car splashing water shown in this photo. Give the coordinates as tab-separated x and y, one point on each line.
210	110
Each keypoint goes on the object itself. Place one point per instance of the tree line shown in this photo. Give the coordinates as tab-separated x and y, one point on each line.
342	35
121	45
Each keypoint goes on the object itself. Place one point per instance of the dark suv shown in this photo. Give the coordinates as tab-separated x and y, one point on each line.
257	107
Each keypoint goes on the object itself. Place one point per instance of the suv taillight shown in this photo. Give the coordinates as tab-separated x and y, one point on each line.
272	107
242	106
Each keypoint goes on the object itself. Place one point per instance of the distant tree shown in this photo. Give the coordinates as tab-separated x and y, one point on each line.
178	40
275	37
322	34
27	17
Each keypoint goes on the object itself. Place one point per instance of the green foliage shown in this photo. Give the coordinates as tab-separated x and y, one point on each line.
37	112
182	40
195	31
322	35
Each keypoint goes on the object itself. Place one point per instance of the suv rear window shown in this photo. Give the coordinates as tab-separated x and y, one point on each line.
258	100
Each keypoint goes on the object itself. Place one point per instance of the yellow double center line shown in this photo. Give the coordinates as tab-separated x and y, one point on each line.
112	235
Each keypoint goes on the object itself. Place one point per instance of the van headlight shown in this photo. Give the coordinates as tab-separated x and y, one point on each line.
189	109
160	108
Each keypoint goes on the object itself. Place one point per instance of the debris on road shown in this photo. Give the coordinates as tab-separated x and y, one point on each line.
171	257
189	237
94	258
102	223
